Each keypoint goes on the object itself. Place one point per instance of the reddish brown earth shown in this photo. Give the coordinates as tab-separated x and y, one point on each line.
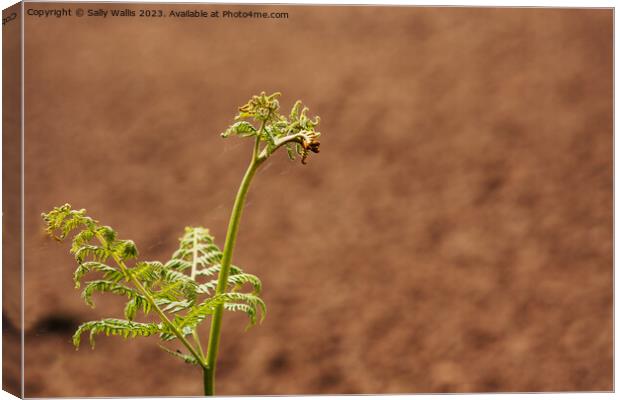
453	235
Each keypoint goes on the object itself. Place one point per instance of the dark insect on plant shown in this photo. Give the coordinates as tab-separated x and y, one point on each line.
199	281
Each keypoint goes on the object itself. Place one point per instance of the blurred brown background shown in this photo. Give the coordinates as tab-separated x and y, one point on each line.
454	234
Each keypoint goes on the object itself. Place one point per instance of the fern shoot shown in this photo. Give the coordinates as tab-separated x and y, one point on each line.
199	281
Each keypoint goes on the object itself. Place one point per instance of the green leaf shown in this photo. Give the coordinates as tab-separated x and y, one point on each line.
208	287
197	252
114	327
134	304
239	279
176	282
294	115
60	221
235	281
178	264
109	273
81	239
124	249
169	291
110	287
253	301
291	150
240	128
261	108
199	312
147	272
97	253
107	233
130	310
174	306
249	310
215	269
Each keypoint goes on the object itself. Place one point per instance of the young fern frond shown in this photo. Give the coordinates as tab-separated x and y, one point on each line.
297	132
177	291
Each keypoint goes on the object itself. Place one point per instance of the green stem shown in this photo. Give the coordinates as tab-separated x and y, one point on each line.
231	237
206	378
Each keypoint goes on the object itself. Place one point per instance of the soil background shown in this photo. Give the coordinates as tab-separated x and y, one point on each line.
453	235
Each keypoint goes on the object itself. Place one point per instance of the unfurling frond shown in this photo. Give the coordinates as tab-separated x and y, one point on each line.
296	132
62	220
260	108
92	240
115	327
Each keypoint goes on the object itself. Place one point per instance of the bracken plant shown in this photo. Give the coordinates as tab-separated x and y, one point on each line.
199	281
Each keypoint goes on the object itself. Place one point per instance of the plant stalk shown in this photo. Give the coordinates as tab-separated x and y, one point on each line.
231	237
206	377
